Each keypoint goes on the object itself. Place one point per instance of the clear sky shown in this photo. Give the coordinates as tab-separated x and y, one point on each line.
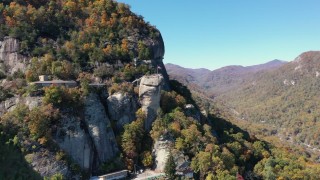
217	33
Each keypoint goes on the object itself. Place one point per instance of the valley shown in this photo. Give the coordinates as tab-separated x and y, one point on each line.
280	96
85	94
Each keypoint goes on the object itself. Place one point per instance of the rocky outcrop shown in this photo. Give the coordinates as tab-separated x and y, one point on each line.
46	164
192	111
72	138
33	102
155	44
158	54
100	129
150	94
161	151
10	57
11	103
158	63
89	141
121	109
158	47
182	161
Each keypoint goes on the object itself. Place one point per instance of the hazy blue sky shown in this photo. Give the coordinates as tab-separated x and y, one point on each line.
216	33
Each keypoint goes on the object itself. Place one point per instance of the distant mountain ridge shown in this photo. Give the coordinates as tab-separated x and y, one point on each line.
283	95
219	80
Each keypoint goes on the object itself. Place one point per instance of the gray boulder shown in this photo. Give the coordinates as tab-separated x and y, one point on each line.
150	94
10	57
11	103
121	109
33	102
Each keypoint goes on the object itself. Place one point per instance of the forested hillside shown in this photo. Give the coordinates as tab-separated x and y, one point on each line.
219	81
287	98
282	98
106	103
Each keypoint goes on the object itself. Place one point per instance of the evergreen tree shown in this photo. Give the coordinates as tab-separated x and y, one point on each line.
170	167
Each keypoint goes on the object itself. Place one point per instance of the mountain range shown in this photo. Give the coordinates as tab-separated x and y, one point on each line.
84	94
221	80
283	96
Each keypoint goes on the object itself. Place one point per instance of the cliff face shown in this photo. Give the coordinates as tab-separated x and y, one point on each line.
121	109
89	139
75	141
10	58
150	94
161	151
158	54
100	130
63	47
11	103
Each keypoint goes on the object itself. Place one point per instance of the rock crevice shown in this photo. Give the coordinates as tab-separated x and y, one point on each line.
100	129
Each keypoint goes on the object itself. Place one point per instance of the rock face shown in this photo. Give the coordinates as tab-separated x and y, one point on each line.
100	129
73	139
158	47
11	103
90	141
10	57
33	102
161	151
121	109
150	94
162	70
158	54
182	161
45	163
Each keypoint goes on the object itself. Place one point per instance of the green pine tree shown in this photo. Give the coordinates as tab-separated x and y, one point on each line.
170	167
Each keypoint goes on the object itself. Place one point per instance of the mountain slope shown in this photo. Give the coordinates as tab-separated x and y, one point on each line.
279	95
222	80
287	97
100	106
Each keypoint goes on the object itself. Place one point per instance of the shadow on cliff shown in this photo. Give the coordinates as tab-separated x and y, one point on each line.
13	164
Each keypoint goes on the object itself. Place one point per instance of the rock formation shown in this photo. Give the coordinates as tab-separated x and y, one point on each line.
158	54
46	164
161	151
73	139
89	139
11	103
100	129
121	108
10	58
150	94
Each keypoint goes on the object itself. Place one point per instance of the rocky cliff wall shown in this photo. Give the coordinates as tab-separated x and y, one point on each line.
158	55
10	57
149	95
75	141
121	109
89	139
11	103
100	129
